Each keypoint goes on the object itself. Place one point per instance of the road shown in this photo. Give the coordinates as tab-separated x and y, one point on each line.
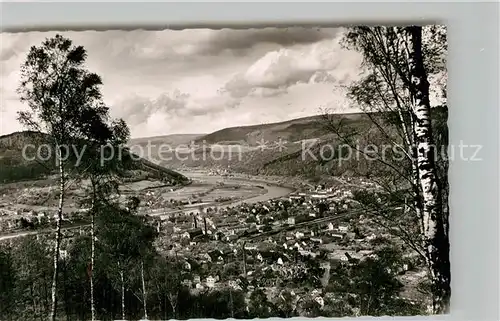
295	226
41	231
273	191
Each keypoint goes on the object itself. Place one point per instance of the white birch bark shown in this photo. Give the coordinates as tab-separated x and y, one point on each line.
53	308
122	294
144	294
436	242
92	254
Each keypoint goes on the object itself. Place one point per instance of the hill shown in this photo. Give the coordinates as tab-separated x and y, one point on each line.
171	140
19	161
268	149
291	131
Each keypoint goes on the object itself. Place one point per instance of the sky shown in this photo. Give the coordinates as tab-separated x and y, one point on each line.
198	81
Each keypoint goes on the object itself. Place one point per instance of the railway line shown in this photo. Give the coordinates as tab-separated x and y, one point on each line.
272	192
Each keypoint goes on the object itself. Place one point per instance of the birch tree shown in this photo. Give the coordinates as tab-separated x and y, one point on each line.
64	100
165	281
125	238
394	93
435	233
102	163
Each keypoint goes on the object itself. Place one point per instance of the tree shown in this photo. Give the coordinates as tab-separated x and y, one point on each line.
394	94
259	306
33	282
7	282
75	277
371	287
102	164
64	103
435	221
309	307
126	240
285	304
165	282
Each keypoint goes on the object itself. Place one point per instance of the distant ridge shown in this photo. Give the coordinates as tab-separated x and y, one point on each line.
14	168
173	139
290	130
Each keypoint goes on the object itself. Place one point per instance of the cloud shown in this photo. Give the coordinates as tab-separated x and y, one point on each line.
323	61
240	41
197	80
174	107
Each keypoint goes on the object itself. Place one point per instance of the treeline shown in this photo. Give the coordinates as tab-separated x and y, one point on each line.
23	172
132	281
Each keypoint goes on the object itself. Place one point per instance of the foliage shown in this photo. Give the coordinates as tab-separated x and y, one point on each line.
371	287
259	305
7	282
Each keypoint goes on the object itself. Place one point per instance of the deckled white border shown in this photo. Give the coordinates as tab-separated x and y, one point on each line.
473	37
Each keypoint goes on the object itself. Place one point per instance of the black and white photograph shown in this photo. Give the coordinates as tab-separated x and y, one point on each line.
231	173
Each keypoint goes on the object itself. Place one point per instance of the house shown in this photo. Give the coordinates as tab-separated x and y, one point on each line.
192	233
210	281
201	238
205	257
343	228
231	237
215	255
219	236
320	301
331	227
259	257
299	235
196	279
350	235
307	253
298	219
268	256
319	196
228	253
252	230
250	247
63	254
338	256
317	240
371	237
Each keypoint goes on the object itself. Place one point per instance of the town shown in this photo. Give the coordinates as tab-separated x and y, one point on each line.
232	173
294	241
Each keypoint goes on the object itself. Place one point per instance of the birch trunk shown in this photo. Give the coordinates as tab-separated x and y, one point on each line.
411	141
122	291
231	302
144	294
53	308
437	244
92	252
173	303
123	296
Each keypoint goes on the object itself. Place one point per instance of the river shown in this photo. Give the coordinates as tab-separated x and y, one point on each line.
272	191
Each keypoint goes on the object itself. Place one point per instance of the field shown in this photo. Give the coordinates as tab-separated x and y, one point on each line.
140	185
